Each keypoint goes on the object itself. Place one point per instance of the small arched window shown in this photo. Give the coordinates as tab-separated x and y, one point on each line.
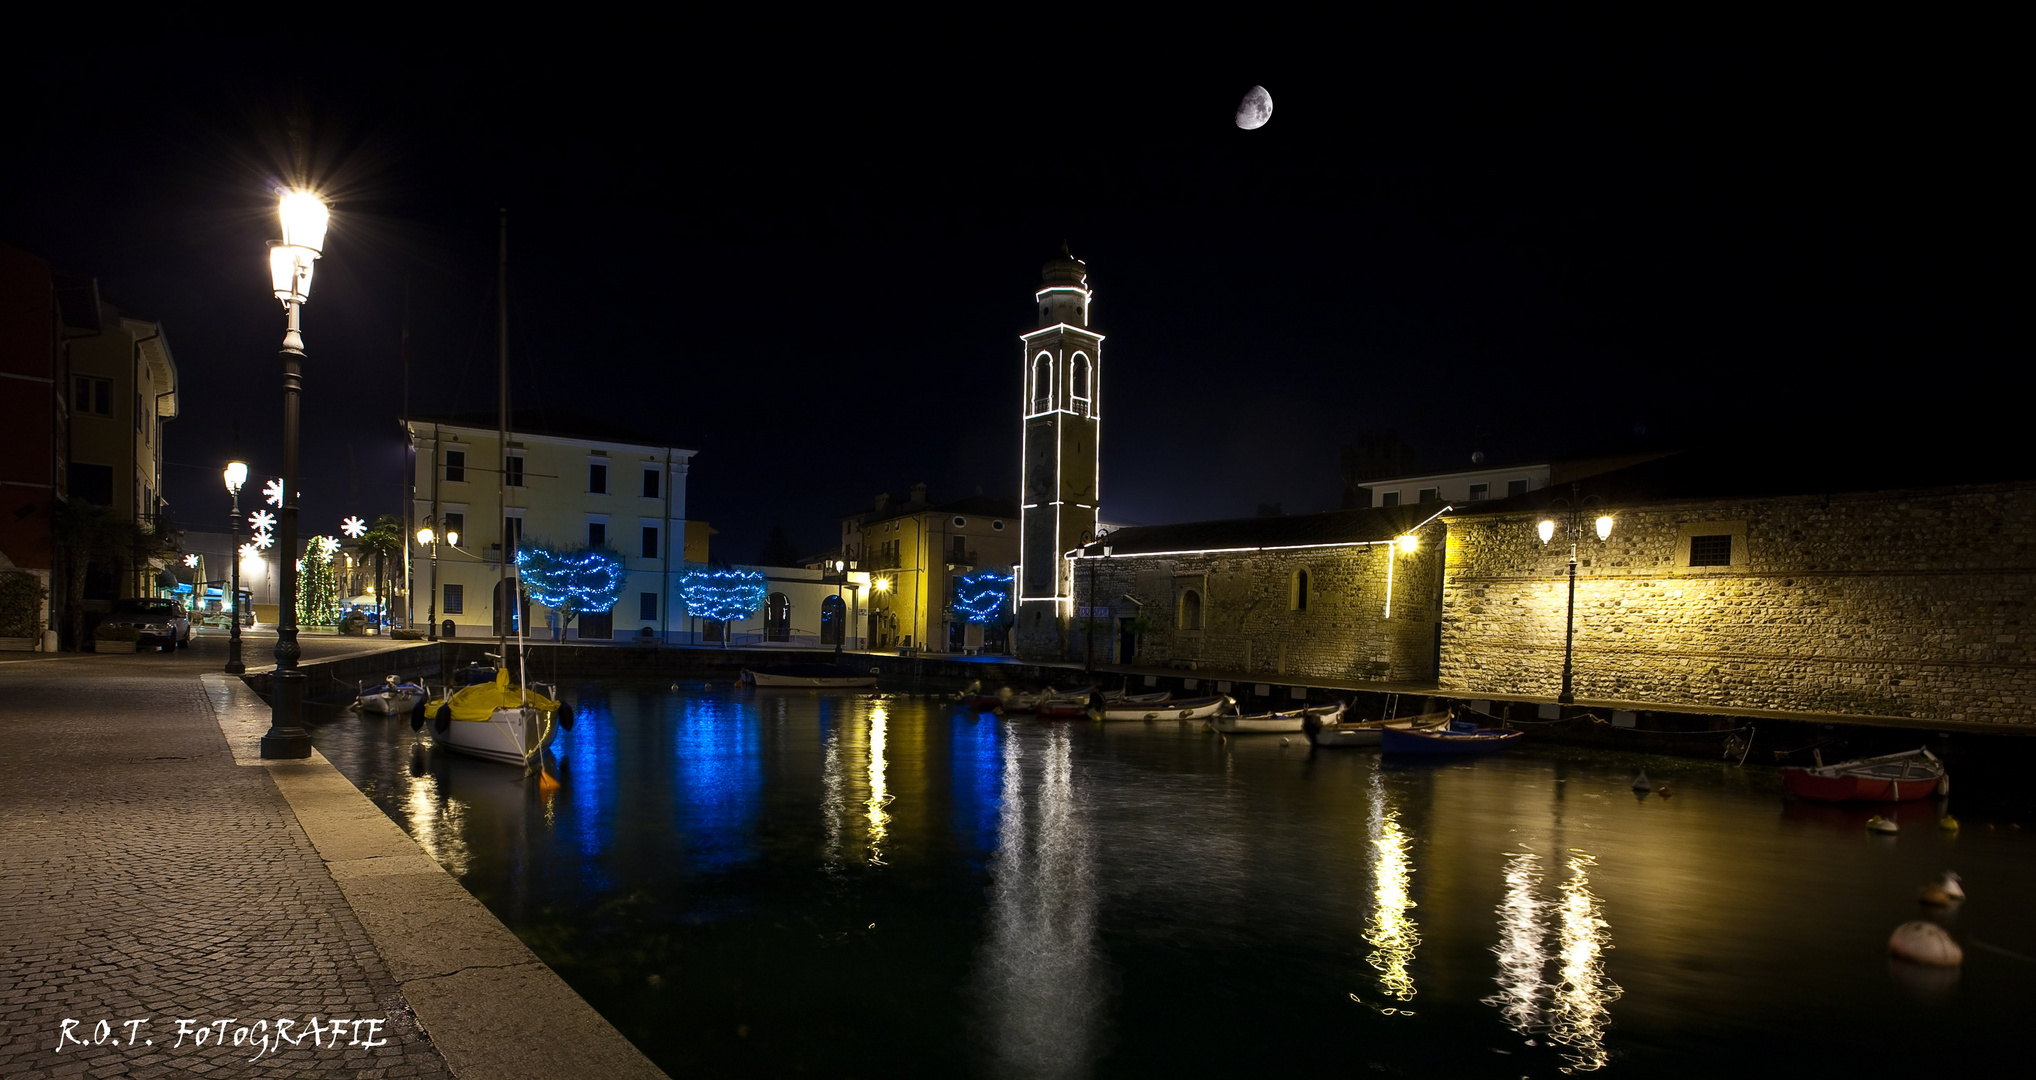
1191	610
1081	374
1297	593
1042	383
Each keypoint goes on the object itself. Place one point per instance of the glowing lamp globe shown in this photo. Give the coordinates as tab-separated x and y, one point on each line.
452	538
304	219
1409	544
1605	527
1546	529
425	536
236	475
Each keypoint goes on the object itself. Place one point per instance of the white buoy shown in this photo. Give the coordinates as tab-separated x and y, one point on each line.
1641	783
1944	891
1880	824
1925	943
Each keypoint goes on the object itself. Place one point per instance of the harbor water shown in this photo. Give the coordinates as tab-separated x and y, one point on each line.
779	883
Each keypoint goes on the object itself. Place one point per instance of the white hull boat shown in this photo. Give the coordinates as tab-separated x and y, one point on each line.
498	721
1201	708
1276	723
1335	734
392	696
809	677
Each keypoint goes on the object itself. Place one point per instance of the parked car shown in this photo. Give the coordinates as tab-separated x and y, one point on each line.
161	623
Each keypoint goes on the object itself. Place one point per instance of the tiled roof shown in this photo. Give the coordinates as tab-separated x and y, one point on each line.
1294	530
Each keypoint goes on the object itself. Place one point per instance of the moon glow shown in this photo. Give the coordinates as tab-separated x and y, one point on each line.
1255	109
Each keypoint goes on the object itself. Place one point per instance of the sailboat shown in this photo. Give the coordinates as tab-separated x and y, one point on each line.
504	719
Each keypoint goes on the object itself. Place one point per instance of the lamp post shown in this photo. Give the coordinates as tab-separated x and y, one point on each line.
1089	626
1573	509
304	217
236	475
430	538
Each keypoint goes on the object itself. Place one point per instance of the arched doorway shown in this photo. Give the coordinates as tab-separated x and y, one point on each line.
833	620
502	612
778	618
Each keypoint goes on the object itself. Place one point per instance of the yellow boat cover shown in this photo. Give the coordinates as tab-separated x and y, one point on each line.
479	702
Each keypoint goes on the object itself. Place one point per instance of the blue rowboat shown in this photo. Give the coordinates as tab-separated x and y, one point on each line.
1461	738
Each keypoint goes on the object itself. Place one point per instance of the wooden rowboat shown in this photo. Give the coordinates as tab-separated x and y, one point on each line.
1277	723
1336	734
1914	774
1201	708
1461	738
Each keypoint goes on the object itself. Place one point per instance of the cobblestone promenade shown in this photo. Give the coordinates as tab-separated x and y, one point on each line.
166	899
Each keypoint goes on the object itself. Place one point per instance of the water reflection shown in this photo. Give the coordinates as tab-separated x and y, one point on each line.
833	797
1392	934
1041	981
1579	1014
1522	956
880	799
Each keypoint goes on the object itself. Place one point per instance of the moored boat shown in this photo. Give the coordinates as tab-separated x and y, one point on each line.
809	676
497	720
1345	734
1913	774
393	695
1460	738
1201	708
1277	723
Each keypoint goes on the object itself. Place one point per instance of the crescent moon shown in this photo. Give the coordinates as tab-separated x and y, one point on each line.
1255	109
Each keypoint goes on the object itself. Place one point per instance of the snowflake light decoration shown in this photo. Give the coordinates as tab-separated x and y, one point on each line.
191	559
354	527
264	541
249	551
262	521
273	490
300	566
327	545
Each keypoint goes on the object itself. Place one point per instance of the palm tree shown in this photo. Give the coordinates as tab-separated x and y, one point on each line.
384	541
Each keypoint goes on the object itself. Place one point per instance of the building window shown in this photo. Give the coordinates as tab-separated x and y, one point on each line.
961	550
1711	550
1042	383
597	624
512	536
650	541
92	396
997	525
778	618
960	522
1081	388
651	487
1191	610
1389	498
1516	487
597	534
1480	492
597	479
92	483
512	471
646	606
455	524
1297	592
455	466
1429	495
455	600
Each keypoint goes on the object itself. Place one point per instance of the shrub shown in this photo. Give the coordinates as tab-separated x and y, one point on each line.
355	624
110	632
21	597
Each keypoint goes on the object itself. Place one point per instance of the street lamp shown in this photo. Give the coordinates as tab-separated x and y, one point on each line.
1573	511
426	537
304	217
1089	626
236	475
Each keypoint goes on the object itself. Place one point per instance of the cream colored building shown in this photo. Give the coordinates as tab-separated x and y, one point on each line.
123	388
564	481
913	552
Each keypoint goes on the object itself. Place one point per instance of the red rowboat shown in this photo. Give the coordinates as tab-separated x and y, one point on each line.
1914	774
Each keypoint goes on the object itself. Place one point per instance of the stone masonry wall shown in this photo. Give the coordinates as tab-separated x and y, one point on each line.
1888	604
1248	624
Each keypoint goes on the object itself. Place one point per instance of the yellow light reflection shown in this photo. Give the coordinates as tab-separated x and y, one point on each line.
880	818
1392	935
1578	1016
1522	957
436	829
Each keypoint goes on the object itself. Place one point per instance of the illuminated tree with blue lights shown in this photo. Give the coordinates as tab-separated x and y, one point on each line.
570	581
983	597
724	596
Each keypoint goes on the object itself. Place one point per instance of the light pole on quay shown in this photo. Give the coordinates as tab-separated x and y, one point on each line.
236	475
1572	512
1089	621
427	537
304	217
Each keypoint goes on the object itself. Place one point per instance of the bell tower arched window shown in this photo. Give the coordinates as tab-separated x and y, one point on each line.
1081	372
1042	383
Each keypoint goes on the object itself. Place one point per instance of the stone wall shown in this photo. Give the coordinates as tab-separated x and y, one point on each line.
1885	604
1249	623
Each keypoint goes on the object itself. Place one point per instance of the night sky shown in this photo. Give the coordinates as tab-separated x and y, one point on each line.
807	251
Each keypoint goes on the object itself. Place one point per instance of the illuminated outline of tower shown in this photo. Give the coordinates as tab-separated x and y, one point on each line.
1062	374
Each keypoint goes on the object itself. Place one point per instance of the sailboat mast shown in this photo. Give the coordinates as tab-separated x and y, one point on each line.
502	438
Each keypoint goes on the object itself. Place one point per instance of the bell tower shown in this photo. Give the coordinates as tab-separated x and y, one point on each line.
1061	372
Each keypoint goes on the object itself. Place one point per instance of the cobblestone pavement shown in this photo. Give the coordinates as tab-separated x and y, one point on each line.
146	877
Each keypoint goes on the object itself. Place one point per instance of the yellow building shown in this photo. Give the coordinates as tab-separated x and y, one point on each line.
123	388
914	551
563	480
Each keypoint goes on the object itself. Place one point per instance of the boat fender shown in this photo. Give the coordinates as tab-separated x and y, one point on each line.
417	716
1925	943
442	721
565	715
